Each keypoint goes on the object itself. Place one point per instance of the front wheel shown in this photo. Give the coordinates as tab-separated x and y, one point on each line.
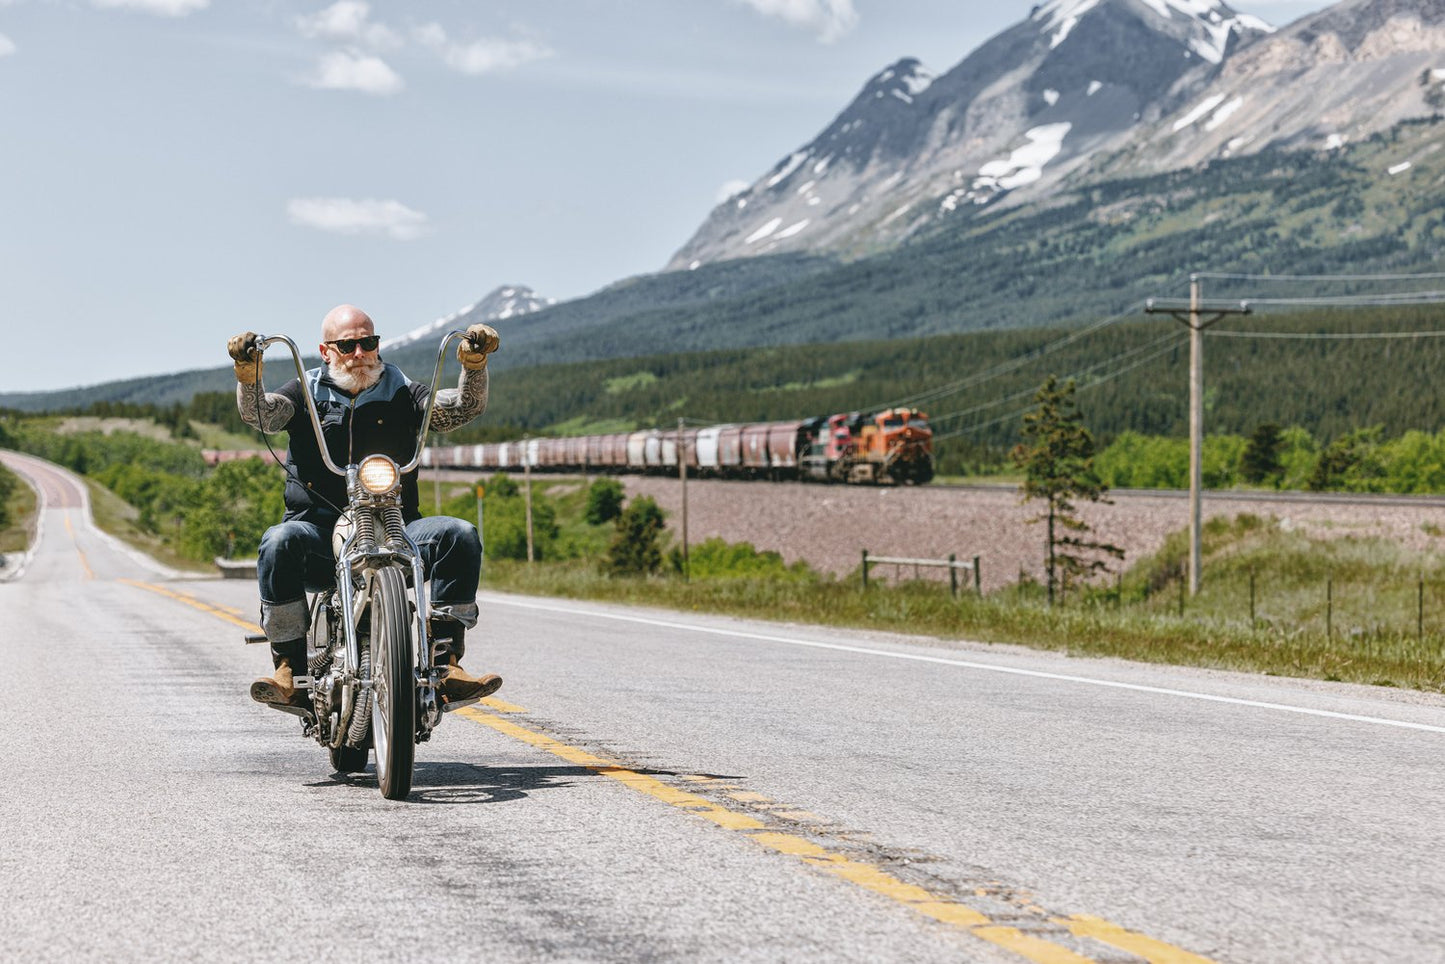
393	715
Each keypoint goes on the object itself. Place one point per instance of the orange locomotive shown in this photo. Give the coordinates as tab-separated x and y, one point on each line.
895	446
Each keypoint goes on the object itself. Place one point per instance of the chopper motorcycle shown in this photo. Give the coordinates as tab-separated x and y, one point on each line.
369	668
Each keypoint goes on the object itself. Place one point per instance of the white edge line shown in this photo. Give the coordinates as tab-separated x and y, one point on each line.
966	664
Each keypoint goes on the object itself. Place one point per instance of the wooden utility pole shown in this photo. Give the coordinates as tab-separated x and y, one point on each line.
682	477
1196	326
527	478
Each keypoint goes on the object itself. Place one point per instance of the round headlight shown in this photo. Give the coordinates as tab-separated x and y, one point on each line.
378	474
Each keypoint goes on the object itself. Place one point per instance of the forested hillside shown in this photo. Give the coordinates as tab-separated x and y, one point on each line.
1132	375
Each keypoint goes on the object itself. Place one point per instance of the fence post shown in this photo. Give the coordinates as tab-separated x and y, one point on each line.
1420	611
977	579
865	569
1181	597
952	575
1251	598
1329	609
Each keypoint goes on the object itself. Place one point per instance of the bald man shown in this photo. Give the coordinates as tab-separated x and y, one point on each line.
366	407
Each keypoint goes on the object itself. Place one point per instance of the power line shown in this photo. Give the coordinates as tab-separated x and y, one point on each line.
1326	336
1017	413
1384	299
1239	276
1079	373
1004	368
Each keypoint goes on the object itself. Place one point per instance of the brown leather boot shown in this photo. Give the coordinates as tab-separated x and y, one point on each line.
280	688
459	685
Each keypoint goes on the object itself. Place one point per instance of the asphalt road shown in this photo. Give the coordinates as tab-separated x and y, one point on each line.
661	786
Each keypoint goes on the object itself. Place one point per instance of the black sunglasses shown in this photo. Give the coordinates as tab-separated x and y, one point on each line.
348	345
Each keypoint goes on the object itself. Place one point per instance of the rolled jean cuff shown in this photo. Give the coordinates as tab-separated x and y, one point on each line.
287	620
465	613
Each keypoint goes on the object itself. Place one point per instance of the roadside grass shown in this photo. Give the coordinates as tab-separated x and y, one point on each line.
1371	637
17	536
118	517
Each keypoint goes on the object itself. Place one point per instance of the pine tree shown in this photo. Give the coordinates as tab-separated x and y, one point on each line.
1057	456
1261	456
634	550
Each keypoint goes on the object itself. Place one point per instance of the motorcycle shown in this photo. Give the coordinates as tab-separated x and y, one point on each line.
369	653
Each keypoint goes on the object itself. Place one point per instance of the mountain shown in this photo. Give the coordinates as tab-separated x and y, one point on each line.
1026	108
508	301
1082	91
1329	79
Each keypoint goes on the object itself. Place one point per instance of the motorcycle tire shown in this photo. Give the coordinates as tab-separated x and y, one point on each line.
393	713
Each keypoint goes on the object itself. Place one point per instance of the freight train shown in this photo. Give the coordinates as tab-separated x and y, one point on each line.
880	448
892	447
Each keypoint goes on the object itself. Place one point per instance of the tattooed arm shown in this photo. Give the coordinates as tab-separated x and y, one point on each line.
270	412
456	407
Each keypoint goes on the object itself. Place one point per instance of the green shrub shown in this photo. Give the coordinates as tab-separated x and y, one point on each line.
604	502
717	559
232	509
635	550
8	484
502	486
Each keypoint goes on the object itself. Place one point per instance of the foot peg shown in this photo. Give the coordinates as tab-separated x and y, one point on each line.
448	706
298	711
254	638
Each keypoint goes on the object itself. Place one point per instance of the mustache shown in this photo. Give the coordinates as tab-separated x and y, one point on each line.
354	374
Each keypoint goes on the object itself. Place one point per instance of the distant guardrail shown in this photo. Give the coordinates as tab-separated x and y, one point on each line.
236	568
952	563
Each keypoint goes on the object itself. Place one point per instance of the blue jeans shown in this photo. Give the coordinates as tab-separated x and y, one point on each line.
296	556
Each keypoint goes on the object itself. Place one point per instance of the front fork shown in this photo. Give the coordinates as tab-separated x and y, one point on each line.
350	568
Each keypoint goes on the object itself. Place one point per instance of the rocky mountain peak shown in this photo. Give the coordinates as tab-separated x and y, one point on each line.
1046	92
1207	27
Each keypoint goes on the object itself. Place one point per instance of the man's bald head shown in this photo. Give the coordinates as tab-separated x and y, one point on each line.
346	321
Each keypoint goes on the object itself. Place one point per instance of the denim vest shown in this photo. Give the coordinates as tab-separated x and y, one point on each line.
383	420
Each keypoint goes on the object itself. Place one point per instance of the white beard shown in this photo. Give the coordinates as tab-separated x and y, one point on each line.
354	375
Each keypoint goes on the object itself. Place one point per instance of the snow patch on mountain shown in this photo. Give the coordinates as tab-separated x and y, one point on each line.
502	304
1025	164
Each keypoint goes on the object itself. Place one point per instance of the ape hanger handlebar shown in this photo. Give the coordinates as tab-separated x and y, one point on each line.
265	342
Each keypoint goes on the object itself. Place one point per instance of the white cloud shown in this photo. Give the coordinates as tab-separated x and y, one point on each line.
349	20
352	70
162	8
486	56
341	215
830	18
489	56
7	46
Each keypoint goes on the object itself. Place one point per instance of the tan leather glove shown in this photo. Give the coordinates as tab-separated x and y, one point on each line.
244	353
480	342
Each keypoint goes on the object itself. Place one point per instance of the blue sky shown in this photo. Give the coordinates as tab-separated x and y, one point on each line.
175	171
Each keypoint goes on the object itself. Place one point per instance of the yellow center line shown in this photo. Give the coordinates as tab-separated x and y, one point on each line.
84	563
1156	952
192	601
870	877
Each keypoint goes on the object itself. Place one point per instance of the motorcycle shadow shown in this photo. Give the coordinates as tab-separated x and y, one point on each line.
456	783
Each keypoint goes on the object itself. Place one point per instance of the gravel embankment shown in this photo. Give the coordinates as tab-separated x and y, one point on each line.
829	526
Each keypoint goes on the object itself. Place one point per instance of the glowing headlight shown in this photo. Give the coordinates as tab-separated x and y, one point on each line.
378	474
